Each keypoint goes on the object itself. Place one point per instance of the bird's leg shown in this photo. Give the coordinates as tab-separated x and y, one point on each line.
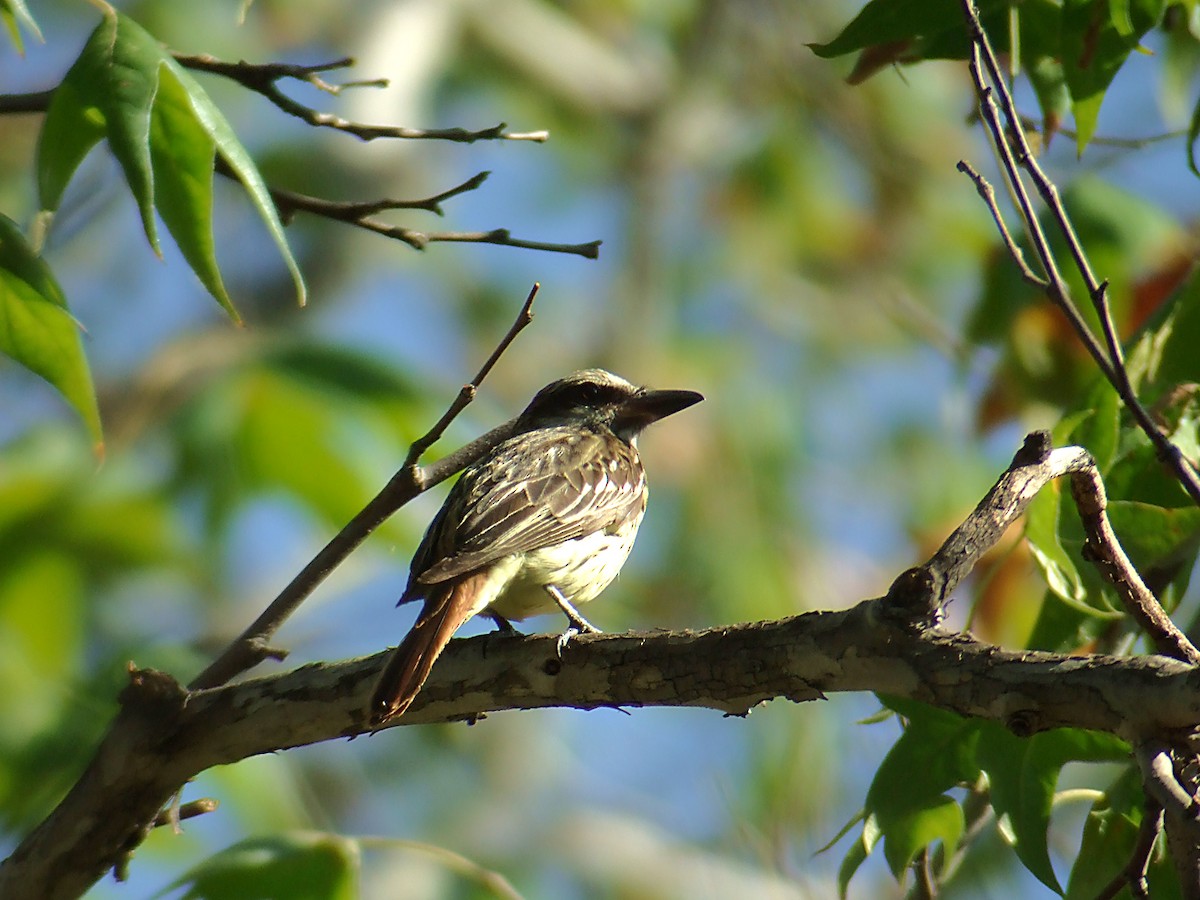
503	626
578	624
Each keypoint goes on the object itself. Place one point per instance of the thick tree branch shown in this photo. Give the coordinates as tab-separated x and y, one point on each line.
155	746
165	735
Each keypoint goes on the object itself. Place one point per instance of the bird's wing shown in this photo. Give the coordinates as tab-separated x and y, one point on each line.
537	490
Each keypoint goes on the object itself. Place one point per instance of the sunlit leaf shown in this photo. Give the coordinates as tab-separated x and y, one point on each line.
163	130
938	819
1041	531
182	153
37	330
1022	775
292	866
907	796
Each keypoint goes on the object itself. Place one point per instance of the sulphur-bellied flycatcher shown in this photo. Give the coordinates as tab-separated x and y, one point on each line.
542	522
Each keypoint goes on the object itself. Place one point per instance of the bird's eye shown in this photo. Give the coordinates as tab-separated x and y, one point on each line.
589	392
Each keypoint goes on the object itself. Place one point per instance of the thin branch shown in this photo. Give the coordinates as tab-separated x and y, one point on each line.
16	104
1056	289
1108	358
1030	123
290	202
988	193
251	646
359	214
263	79
467	394
1162	783
919	595
1105	551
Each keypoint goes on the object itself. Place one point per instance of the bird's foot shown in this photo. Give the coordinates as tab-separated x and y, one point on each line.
577	623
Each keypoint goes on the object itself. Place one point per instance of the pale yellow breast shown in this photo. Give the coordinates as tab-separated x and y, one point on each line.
580	569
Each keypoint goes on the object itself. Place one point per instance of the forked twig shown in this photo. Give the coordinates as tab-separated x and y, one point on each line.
252	645
360	213
263	78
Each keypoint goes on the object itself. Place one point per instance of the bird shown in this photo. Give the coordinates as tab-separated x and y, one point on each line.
539	524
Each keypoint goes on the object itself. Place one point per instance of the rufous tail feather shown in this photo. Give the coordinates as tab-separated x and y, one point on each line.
446	609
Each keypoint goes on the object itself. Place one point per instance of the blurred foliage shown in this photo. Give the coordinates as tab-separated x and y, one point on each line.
799	249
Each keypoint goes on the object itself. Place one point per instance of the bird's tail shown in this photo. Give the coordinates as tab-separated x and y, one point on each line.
447	607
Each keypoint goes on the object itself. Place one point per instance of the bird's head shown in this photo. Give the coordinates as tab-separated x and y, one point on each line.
594	397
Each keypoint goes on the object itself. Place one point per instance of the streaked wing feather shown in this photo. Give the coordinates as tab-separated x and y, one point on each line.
538	490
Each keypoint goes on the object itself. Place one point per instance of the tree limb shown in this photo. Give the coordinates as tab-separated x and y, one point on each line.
164	734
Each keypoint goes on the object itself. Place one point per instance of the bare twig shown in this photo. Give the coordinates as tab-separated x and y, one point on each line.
989	197
467	394
263	79
251	646
1056	287
1029	123
1105	551
1109	356
15	104
360	214
1162	784
289	202
186	811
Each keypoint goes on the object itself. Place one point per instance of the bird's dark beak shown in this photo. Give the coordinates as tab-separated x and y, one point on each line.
648	406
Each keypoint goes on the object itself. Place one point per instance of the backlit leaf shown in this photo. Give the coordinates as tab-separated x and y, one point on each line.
37	330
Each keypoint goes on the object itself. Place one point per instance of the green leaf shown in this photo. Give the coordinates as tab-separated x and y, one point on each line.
1098	428
1178	363
164	131
1040	24
1041	531
935	753
851	862
858	852
37	330
940	819
888	21
182	153
41	638
1022	774
1109	833
243	166
293	866
1097	37
16	14
1192	135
